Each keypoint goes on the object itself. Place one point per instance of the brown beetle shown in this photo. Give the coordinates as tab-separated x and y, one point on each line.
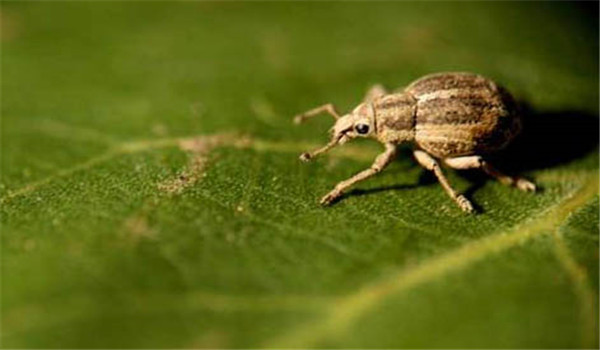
454	117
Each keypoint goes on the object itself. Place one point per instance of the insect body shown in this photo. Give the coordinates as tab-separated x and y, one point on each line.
457	118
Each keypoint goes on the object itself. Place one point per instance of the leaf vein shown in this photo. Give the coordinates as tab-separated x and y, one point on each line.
581	287
350	308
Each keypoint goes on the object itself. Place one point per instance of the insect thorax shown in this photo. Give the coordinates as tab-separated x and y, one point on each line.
395	117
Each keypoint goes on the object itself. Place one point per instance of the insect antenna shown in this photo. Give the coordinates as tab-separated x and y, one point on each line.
328	108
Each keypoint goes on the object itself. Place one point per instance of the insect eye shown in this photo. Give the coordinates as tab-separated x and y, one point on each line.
362	128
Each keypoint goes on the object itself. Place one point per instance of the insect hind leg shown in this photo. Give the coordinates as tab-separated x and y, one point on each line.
477	162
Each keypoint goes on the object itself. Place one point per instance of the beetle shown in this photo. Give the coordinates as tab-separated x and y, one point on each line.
453	118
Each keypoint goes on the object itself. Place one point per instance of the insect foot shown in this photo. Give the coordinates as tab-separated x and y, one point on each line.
305	157
525	185
330	197
464	204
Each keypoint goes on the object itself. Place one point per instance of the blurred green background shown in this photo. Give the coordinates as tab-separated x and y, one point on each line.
152	196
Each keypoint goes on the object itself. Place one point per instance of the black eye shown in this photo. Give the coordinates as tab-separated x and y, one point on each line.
362	128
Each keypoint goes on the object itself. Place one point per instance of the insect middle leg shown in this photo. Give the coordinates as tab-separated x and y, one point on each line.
429	163
477	162
378	165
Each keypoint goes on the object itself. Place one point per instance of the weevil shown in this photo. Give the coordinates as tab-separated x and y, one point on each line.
455	119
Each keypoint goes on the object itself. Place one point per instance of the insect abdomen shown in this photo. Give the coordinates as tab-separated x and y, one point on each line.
462	114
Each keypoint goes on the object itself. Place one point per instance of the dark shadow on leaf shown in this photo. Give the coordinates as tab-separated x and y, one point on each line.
477	179
549	139
425	178
361	192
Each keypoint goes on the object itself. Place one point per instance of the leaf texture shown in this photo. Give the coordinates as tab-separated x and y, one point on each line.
152	197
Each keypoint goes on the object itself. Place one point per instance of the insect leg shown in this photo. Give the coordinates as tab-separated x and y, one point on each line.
327	108
378	165
429	163
472	162
375	91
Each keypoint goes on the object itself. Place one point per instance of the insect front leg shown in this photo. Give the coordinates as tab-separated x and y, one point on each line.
429	163
326	108
477	162
378	165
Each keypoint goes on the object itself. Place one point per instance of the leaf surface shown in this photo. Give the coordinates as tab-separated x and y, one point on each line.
151	194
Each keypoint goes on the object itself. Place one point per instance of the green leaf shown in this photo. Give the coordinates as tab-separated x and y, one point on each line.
152	197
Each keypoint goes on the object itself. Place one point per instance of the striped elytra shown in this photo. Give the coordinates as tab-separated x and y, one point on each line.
448	115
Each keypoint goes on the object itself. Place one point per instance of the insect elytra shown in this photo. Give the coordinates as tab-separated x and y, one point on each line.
451	118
